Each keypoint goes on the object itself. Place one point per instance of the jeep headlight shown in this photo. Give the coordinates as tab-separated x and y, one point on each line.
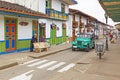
83	42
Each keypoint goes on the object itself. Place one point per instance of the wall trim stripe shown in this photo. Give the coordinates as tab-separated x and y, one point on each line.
2	40
56	37
59	37
19	50
24	39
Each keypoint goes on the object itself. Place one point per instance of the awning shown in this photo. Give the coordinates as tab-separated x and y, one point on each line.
7	8
112	8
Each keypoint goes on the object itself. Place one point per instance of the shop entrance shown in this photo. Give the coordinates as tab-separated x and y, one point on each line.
42	32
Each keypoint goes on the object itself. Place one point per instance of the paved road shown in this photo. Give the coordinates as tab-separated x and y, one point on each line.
44	68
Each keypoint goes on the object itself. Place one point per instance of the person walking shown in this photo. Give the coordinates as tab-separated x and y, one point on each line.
33	40
111	36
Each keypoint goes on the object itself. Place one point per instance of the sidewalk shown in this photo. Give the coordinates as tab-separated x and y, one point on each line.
91	68
9	60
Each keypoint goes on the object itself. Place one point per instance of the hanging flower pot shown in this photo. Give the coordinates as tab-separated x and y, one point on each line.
75	24
81	25
42	24
63	25
23	23
53	26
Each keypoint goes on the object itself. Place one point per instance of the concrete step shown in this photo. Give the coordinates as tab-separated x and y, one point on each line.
7	64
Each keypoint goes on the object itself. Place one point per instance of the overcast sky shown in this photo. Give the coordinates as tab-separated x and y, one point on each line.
93	8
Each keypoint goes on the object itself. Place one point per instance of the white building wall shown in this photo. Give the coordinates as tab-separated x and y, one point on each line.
59	25
32	4
25	32
1	27
42	6
67	8
84	20
77	19
69	26
21	2
56	5
48	33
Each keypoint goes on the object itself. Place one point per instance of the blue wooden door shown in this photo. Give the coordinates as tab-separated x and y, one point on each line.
10	34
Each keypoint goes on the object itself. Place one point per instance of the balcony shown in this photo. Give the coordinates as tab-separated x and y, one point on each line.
56	14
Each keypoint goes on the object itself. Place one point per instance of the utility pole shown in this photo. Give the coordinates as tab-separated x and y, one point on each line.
106	17
38	23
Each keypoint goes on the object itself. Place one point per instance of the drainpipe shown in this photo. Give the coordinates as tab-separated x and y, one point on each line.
38	32
38	24
106	17
80	26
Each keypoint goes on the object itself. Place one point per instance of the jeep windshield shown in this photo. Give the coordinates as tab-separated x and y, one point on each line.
83	35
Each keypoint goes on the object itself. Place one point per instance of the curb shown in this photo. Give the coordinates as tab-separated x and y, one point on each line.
8	65
50	53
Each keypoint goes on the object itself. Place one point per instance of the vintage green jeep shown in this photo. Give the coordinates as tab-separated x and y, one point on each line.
83	41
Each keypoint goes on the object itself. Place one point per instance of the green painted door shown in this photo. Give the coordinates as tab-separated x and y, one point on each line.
48	4
64	35
42	32
53	36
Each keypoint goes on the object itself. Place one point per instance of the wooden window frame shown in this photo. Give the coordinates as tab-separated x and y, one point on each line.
62	8
48	4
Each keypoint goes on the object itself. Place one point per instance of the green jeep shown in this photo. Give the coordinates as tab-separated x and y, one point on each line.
83	41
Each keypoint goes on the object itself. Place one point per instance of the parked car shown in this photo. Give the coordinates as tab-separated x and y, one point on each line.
83	41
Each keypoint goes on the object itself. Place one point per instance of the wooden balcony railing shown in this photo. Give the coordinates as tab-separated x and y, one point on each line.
56	14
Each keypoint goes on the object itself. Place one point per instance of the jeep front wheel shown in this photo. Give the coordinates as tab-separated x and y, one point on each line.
93	46
87	49
73	49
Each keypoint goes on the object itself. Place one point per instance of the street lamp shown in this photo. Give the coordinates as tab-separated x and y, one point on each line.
106	17
99	49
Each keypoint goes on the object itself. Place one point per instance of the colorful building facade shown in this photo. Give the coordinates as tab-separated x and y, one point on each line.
83	23
55	28
16	26
48	18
